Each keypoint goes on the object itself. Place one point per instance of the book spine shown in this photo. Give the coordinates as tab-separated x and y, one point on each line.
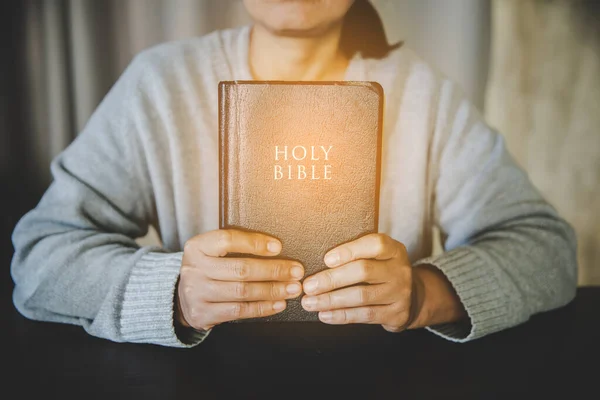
223	167
228	153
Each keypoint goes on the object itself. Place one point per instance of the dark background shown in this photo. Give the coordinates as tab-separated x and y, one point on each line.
21	190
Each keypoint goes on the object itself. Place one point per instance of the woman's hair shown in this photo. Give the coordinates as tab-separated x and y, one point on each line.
363	32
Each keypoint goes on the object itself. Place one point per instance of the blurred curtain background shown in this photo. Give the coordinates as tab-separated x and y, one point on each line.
544	96
521	61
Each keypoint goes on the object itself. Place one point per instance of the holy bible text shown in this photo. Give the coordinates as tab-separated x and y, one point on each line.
302	171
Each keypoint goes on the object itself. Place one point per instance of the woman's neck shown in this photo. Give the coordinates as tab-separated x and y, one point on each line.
275	57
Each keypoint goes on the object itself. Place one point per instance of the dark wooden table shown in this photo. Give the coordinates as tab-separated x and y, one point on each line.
554	355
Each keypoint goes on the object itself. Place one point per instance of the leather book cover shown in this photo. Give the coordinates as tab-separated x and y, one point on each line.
300	161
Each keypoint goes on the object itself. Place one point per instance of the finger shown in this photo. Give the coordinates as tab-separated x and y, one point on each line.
253	269
358	271
221	291
375	245
219	242
356	296
359	315
224	312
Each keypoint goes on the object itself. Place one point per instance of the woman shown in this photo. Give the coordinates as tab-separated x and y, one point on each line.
149	155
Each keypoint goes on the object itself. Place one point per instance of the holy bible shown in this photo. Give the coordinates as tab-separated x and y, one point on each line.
300	161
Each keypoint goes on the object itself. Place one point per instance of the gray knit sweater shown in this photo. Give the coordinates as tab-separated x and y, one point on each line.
149	156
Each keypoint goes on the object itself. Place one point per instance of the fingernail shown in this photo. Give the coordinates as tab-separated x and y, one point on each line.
293	288
279	305
332	258
326	316
309	302
297	271
273	246
311	285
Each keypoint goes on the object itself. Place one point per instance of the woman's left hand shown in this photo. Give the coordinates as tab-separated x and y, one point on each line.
390	292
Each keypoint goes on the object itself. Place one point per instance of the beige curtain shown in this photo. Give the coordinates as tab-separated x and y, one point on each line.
544	95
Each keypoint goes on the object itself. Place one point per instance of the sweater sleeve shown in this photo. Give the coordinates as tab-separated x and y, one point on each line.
507	253
76	259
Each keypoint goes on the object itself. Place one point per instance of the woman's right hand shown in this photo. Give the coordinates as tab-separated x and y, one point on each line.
214	289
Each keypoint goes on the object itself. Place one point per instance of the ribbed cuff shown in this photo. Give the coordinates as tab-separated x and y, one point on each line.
478	290
147	313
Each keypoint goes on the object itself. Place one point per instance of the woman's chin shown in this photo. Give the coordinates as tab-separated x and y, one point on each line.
300	30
